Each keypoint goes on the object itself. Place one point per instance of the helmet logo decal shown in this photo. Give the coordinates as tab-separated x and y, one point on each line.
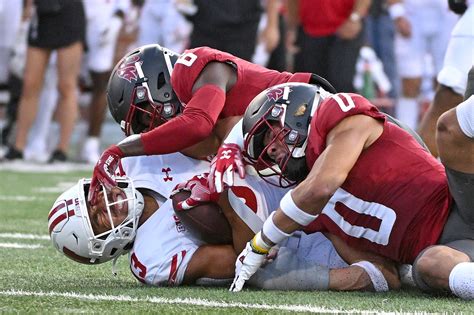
127	69
300	111
275	94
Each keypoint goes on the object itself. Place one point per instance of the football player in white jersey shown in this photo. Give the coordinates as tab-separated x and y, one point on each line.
453	76
138	216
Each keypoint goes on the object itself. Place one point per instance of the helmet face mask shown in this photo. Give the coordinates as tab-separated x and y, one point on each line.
267	133
280	117
145	114
139	92
71	228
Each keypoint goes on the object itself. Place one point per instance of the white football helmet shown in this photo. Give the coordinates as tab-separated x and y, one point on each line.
71	230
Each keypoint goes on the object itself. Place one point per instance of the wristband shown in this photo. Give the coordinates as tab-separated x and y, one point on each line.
272	232
396	10
258	244
376	276
288	206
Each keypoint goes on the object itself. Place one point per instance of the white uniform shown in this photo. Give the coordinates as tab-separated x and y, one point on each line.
163	247
10	18
431	22
161	23
460	53
100	21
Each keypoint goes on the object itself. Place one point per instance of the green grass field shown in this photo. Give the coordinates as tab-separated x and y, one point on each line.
34	278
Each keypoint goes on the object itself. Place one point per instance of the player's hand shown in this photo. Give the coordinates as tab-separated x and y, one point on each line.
225	163
247	265
200	192
104	172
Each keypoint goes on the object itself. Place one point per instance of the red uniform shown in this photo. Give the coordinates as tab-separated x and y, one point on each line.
199	117
395	200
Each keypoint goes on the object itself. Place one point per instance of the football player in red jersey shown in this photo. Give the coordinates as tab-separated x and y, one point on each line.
363	178
199	94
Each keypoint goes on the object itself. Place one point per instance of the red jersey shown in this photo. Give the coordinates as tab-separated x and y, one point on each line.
251	78
324	17
395	200
198	120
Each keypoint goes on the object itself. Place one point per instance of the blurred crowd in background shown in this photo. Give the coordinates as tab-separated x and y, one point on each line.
56	55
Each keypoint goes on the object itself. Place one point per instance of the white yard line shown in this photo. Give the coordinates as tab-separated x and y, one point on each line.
18	245
186	301
32	167
22	198
25	236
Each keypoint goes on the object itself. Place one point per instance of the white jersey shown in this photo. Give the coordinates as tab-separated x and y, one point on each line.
161	173
163	247
99	14
431	24
459	56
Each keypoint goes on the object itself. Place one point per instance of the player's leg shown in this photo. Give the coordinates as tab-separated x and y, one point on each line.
97	110
445	98
69	60
452	77
455	134
446	268
316	270
38	145
35	68
409	53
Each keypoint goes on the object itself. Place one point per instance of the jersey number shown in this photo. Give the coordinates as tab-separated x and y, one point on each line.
344	107
187	59
384	214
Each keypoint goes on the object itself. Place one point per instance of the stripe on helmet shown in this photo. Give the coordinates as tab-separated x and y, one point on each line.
60	218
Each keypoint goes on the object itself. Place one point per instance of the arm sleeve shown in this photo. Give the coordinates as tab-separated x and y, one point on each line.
194	125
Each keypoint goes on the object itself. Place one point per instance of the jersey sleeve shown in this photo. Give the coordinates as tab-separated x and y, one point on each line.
339	106
187	69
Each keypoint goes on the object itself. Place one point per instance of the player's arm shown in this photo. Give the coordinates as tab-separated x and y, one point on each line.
199	116
211	261
355	277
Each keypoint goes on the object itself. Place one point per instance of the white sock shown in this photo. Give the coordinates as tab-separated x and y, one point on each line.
408	110
461	280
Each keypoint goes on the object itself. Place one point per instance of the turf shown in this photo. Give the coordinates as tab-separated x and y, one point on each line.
40	280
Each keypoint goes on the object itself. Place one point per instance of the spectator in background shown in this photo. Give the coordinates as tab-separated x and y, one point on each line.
226	25
161	23
328	35
422	28
10	25
57	25
104	21
10	18
270	51
380	35
453	76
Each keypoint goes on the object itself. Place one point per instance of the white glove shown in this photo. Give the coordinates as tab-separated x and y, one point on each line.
246	265
110	34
